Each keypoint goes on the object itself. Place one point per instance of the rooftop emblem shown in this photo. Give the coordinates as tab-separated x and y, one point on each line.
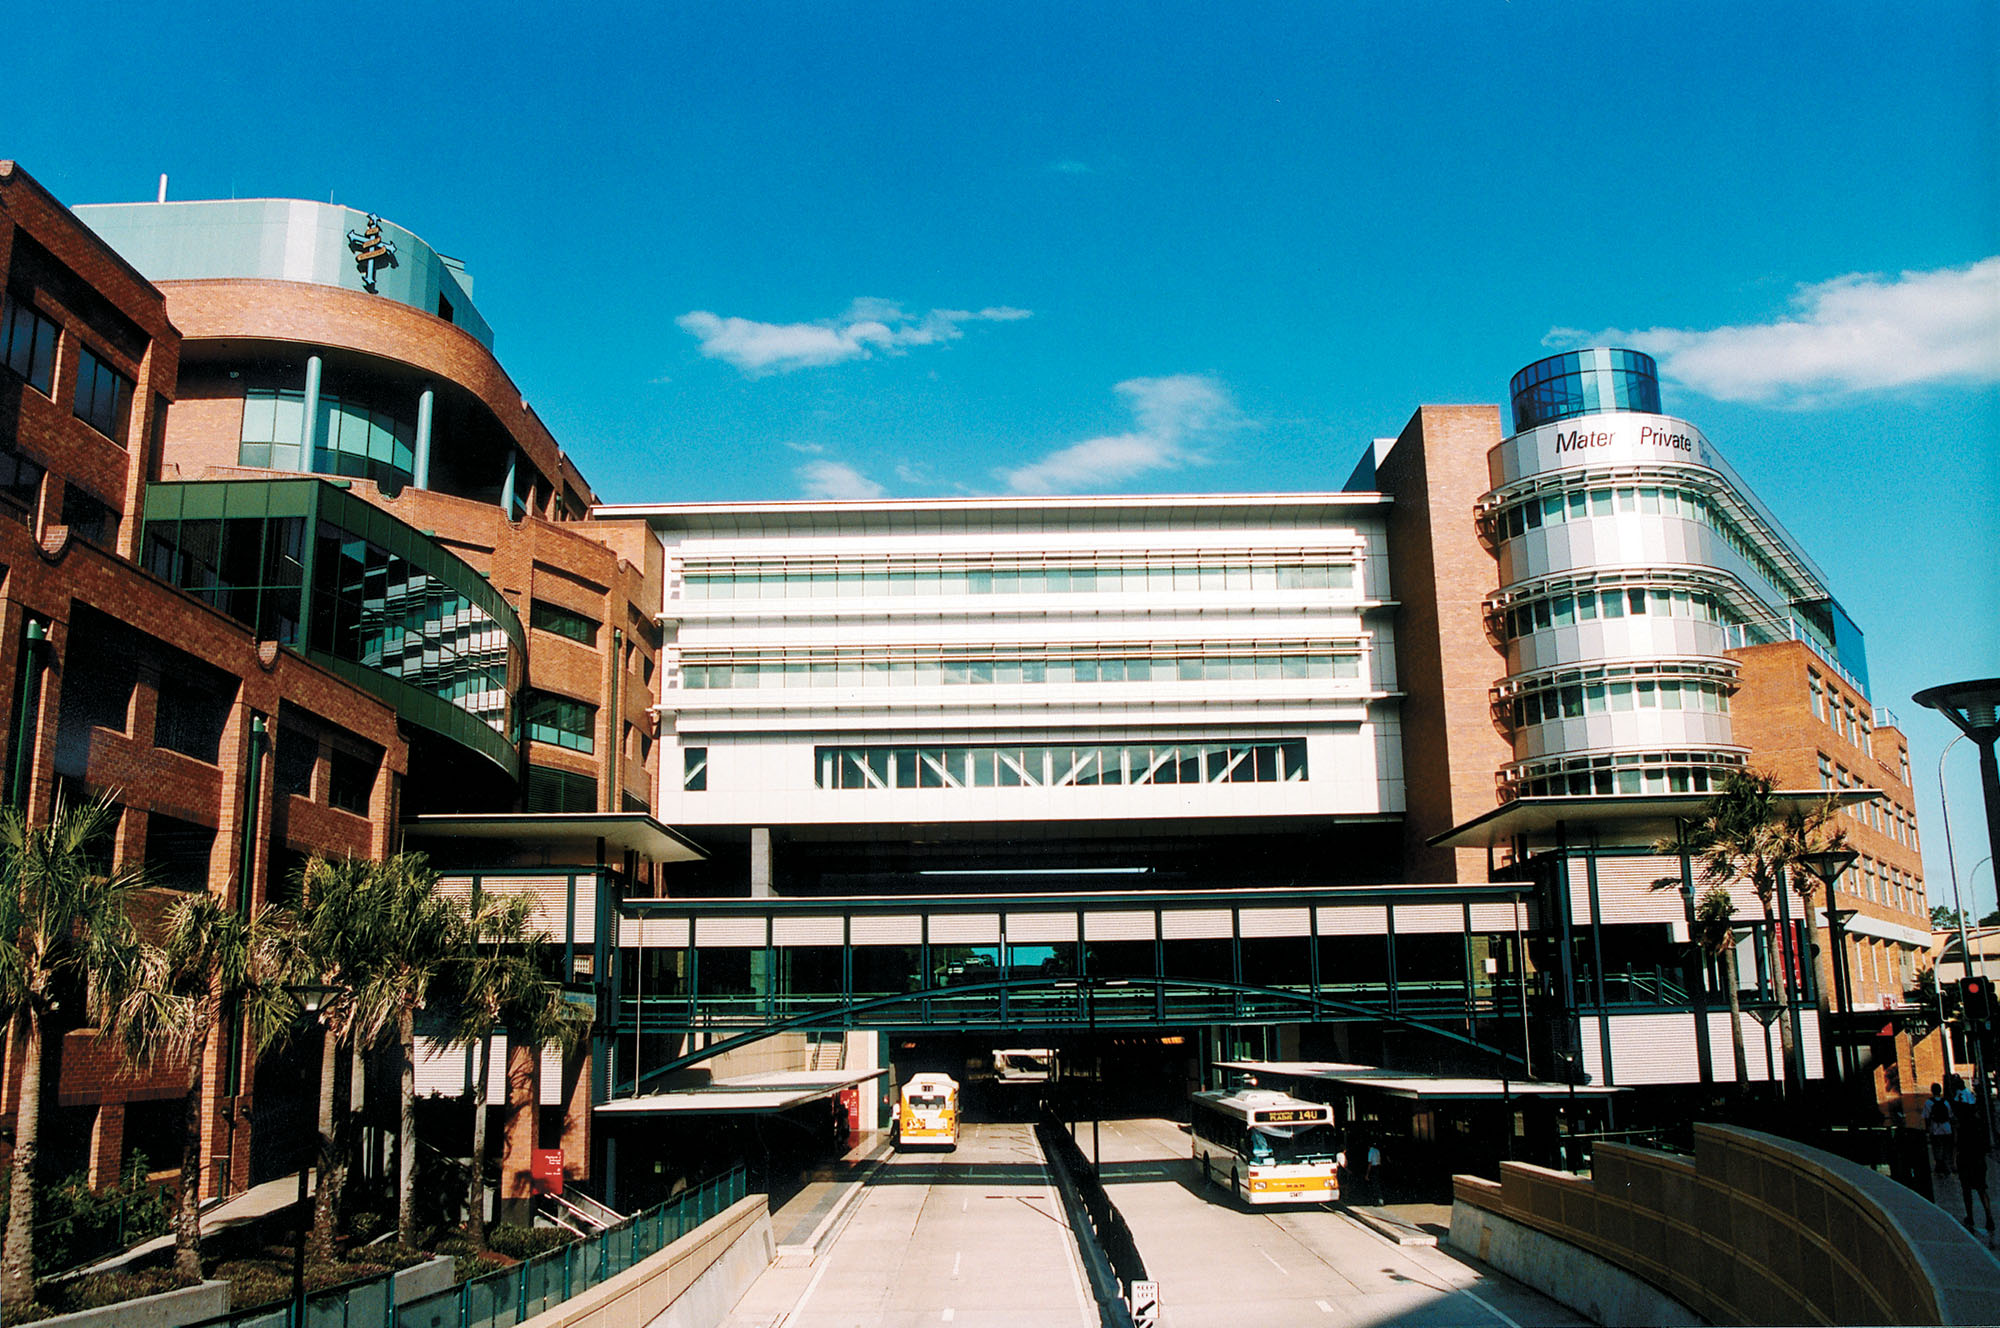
371	251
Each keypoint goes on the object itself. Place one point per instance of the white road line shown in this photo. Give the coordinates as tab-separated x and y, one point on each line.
1489	1308
1324	1307
954	1262
1280	1267
798	1306
949	1314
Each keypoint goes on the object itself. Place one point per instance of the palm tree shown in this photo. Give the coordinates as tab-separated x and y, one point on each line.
1713	929
413	932
337	947
1715	933
62	921
210	958
1746	832
498	978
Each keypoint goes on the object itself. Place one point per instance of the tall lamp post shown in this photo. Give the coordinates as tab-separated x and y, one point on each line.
1975	708
312	999
1827	865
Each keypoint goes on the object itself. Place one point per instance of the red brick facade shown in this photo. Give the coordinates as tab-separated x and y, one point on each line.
70	588
1807	727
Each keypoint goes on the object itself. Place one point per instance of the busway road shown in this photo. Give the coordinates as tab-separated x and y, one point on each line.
974	1238
1222	1265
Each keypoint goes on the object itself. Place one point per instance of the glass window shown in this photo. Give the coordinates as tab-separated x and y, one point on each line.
563	622
192	711
28	344
103	396
694	769
561	721
350	779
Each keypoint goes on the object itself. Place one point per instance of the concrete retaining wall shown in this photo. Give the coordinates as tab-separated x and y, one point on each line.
424	1279
1756	1229
693	1283
1599	1290
169	1309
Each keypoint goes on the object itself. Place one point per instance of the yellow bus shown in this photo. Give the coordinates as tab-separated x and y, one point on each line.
1266	1146
928	1113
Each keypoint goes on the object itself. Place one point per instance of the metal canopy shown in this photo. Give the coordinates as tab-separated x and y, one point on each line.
749	1094
1414	1085
626	832
1641	819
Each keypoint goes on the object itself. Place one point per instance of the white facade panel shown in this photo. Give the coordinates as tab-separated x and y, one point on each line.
1126	926
890	929
1413	918
1275	922
806	931
730	933
1192	924
1362	920
1031	928
965	929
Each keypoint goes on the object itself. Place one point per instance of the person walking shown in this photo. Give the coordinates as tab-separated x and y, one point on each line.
1971	1140
1937	1124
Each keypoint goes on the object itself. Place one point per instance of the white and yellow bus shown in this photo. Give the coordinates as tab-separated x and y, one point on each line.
928	1113
1266	1146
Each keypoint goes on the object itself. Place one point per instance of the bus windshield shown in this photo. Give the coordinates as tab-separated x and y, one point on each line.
1289	1143
927	1101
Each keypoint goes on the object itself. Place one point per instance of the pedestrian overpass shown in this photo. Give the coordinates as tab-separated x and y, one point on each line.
695	978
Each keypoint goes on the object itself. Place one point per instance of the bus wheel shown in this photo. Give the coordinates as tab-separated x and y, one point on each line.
1207	1174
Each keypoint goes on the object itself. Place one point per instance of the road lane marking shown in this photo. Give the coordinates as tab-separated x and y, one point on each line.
1273	1262
798	1306
1324	1307
950	1314
1488	1307
954	1262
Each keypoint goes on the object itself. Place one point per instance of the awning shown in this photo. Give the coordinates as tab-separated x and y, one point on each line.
1414	1085
633	832
1640	818
750	1094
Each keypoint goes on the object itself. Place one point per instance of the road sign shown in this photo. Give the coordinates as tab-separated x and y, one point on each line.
1145	1305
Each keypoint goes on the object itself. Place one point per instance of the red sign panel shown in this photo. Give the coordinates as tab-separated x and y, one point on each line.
546	1170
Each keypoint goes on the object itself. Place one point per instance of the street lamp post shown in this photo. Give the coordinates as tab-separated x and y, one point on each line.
1827	865
312	999
1974	707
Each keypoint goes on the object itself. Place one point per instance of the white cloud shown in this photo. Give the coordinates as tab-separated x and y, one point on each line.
869	326
1175	416
832	479
1859	333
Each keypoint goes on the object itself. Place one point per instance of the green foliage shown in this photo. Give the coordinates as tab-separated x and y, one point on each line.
74	1225
1943	918
527	1242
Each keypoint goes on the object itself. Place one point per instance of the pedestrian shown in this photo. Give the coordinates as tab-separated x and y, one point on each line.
1937	1124
1971	1140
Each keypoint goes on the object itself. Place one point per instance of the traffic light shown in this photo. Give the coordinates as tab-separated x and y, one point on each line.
1975	1000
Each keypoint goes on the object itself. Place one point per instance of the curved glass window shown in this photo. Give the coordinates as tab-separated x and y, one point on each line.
311	566
1584	382
376	608
1631	773
355	436
561	721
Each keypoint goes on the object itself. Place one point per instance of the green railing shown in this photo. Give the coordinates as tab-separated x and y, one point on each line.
511	1295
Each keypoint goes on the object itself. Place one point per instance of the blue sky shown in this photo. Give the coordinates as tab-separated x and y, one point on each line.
768	251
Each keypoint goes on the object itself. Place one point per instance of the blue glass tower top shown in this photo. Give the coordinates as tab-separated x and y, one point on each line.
1584	382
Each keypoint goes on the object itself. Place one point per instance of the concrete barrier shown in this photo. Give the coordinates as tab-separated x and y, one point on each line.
168	1309
424	1279
1568	1274
1756	1229
693	1283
